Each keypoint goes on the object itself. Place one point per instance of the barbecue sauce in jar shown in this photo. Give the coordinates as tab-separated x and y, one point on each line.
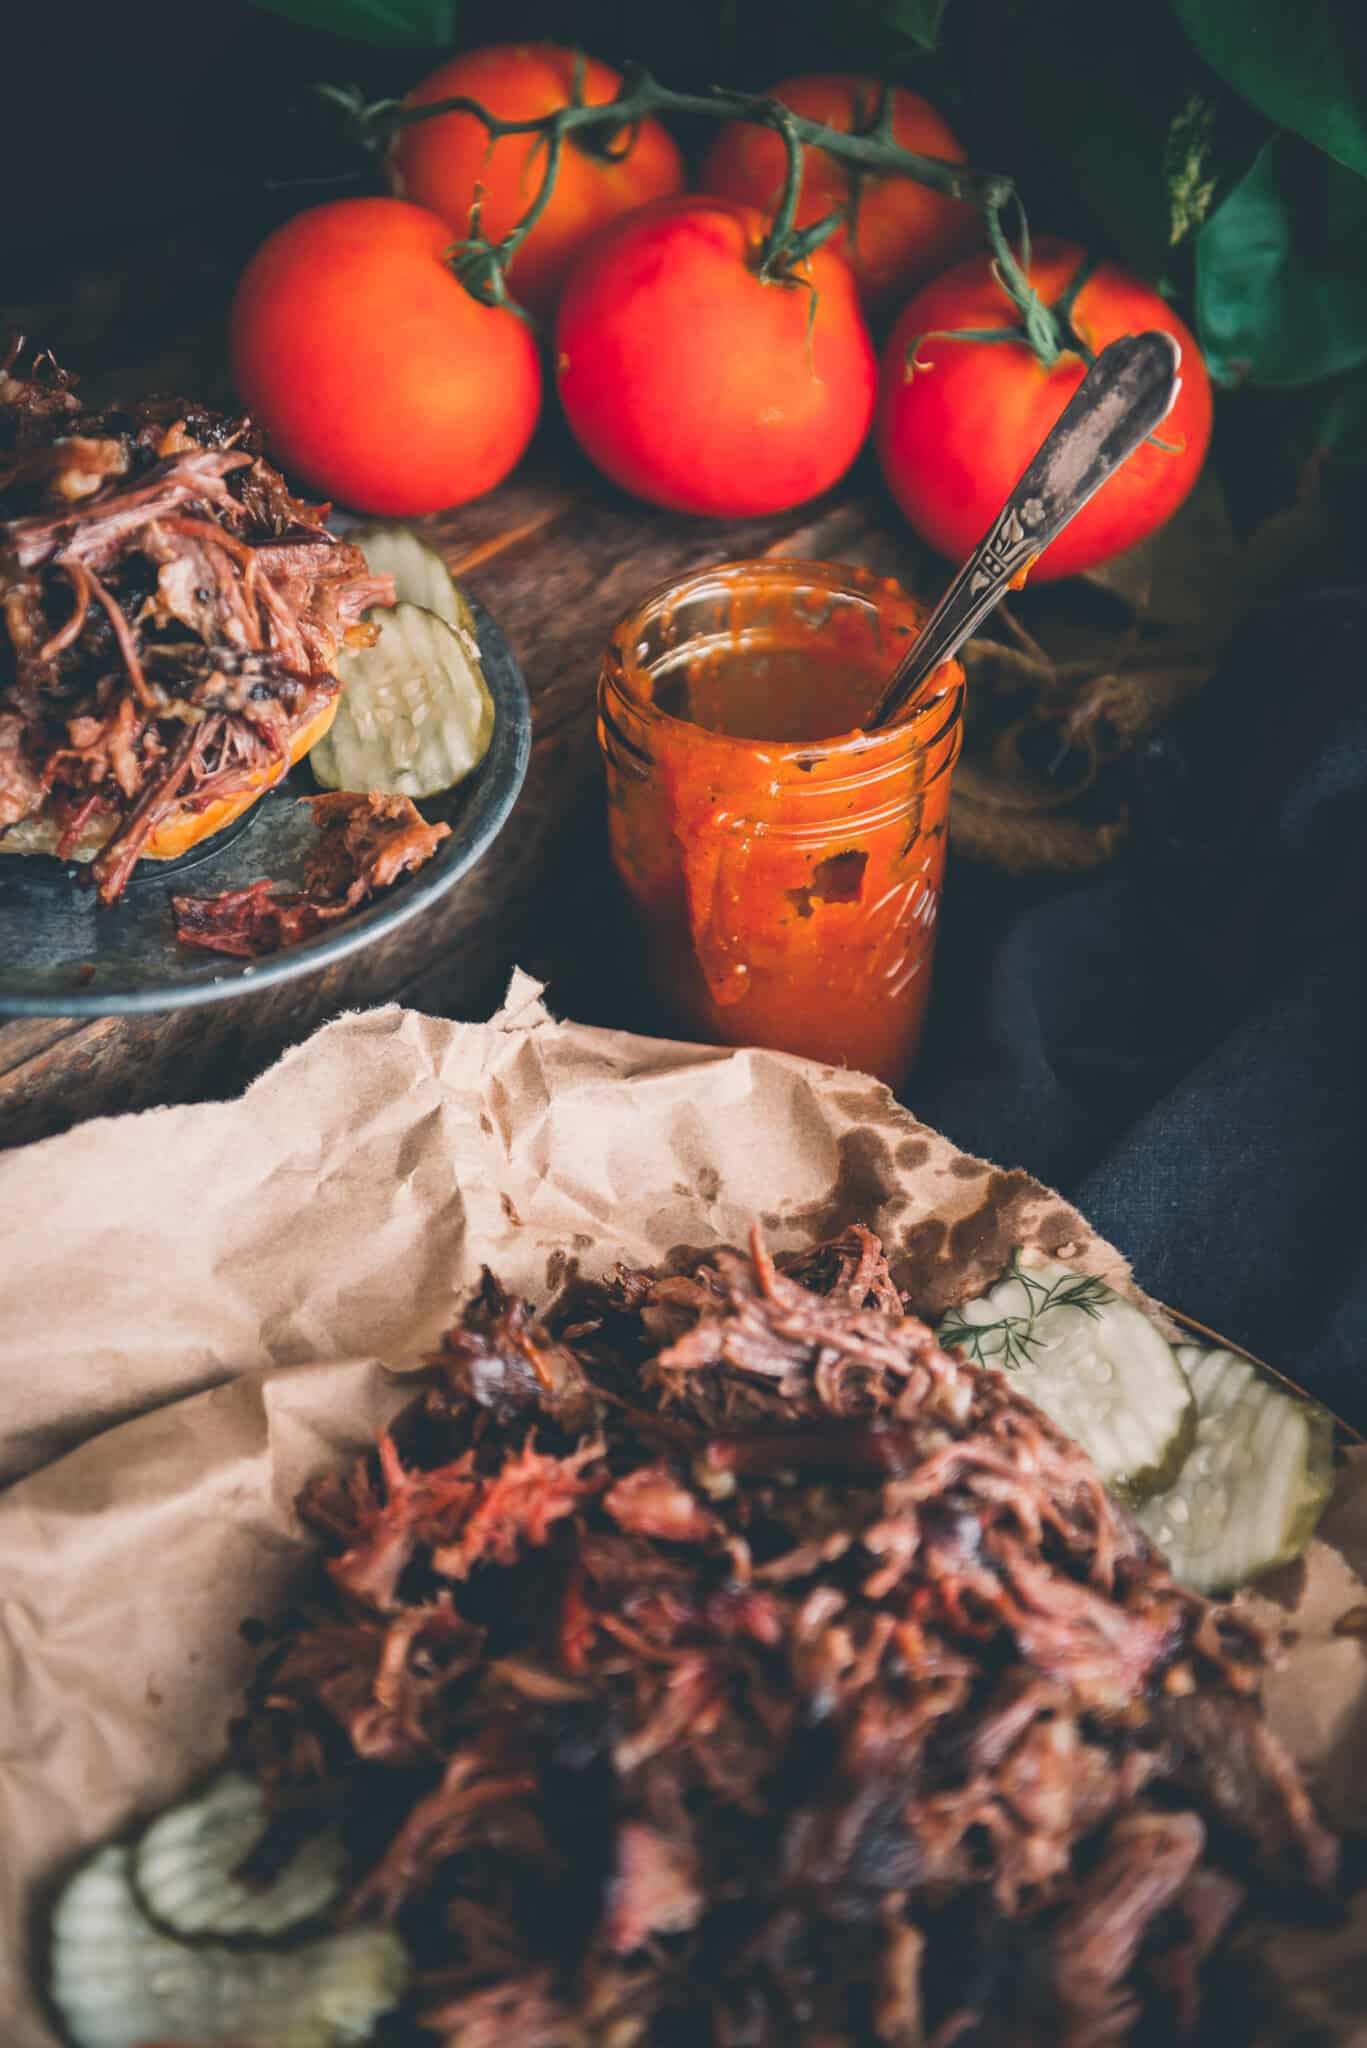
782	864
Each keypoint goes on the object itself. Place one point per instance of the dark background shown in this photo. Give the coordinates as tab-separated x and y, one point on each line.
152	112
159	109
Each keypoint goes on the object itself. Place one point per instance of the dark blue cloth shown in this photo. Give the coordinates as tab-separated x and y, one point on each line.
1180	1043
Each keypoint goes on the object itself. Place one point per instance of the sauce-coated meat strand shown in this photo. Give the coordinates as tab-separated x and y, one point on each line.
720	1661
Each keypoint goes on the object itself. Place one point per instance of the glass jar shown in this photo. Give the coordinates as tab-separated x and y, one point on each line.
783	865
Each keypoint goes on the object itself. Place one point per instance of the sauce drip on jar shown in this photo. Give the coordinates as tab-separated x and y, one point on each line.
784	866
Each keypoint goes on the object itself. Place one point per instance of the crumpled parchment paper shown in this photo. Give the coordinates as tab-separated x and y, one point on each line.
205	1306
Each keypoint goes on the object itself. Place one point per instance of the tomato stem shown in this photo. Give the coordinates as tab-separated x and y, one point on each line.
774	257
879	125
786	246
1067	299
1042	328
1048	329
870	149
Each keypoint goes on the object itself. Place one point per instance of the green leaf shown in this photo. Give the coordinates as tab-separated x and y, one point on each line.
919	20
1304	65
426	24
898	40
1281	285
1343	423
1313	434
1142	138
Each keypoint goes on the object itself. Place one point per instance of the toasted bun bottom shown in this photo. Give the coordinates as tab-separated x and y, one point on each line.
184	827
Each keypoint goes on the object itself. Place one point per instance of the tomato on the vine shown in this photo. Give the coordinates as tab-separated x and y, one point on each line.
378	379
902	231
959	421
441	163
695	382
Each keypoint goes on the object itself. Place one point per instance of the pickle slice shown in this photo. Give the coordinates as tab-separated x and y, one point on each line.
415	715
118	1982
1092	1361
1255	1483
420	575
184	1864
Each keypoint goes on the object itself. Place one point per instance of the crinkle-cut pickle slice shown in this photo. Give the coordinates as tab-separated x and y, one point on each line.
420	576
415	715
184	1864
118	1982
1256	1481
1092	1361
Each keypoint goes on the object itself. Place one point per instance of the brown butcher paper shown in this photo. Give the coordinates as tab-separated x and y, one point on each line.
205	1306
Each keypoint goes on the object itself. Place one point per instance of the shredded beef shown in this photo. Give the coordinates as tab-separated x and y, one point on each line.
21	786
851	1267
150	560
365	843
718	1660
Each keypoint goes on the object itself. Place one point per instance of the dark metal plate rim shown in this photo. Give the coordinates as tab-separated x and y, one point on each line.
499	781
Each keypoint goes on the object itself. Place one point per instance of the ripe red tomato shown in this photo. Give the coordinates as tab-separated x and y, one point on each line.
696	384
903	231
439	163
956	433
378	379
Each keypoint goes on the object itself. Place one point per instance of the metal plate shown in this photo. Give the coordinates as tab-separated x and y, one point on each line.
62	956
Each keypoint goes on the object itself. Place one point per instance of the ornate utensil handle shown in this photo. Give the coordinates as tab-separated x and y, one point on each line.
1129	390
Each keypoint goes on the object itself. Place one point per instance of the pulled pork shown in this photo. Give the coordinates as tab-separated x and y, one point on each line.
365	844
721	1661
170	616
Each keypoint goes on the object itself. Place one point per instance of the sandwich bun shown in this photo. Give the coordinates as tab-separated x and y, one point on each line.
184	827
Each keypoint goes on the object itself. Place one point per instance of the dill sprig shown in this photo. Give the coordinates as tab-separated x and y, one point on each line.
1013	1339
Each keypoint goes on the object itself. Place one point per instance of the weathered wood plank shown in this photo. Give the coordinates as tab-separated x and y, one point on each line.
30	1038
541	493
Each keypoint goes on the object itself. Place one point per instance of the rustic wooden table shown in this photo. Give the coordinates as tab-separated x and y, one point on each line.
557	555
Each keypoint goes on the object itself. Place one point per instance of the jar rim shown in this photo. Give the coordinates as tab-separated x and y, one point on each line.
928	699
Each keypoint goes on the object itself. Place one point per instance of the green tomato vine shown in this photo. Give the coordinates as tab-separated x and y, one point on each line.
869	150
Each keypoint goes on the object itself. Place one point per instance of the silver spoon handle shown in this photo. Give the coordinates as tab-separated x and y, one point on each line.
1130	388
